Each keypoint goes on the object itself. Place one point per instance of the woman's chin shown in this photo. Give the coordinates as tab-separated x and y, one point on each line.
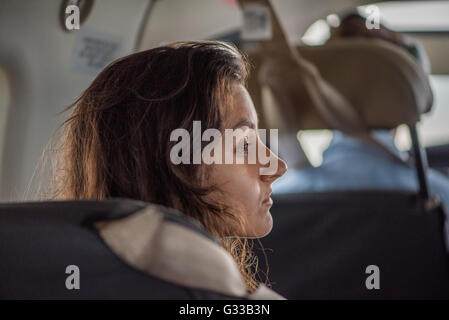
265	227
269	224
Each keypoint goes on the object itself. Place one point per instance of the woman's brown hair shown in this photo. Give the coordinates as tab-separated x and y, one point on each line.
116	142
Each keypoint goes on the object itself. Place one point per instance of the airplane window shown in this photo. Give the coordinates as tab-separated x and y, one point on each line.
4	103
414	16
314	142
434	128
317	34
402	138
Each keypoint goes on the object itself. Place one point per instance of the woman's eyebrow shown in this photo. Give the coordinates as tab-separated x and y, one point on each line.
244	122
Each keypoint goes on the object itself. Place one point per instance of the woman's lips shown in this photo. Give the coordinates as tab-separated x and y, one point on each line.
268	200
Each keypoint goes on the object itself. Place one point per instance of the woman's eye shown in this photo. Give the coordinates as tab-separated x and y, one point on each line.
245	146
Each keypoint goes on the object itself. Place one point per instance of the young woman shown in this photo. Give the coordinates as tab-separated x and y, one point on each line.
117	141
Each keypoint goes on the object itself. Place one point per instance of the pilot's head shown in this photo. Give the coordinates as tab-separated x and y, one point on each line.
354	25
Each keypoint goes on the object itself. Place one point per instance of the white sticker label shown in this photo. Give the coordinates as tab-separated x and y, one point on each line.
94	51
256	22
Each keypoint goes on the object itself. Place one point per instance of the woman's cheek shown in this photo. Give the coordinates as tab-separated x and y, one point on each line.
249	189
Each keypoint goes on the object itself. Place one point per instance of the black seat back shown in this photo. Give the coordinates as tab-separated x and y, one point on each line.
323	242
39	240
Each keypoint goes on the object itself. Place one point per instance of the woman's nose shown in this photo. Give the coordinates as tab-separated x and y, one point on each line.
278	171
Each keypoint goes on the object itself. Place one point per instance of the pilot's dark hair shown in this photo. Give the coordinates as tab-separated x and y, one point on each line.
352	24
116	142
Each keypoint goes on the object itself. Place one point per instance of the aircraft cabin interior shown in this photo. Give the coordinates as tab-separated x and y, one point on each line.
343	106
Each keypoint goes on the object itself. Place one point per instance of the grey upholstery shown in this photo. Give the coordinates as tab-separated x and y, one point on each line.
39	240
322	243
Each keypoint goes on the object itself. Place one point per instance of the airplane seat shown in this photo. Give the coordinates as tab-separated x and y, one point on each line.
336	245
381	81
112	249
326	244
363	84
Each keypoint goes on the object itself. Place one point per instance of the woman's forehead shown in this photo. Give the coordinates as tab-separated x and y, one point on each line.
241	111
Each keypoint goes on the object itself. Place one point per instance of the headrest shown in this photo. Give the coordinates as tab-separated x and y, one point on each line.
382	82
123	248
418	52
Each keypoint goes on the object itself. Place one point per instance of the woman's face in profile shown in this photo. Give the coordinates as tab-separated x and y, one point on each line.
244	190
